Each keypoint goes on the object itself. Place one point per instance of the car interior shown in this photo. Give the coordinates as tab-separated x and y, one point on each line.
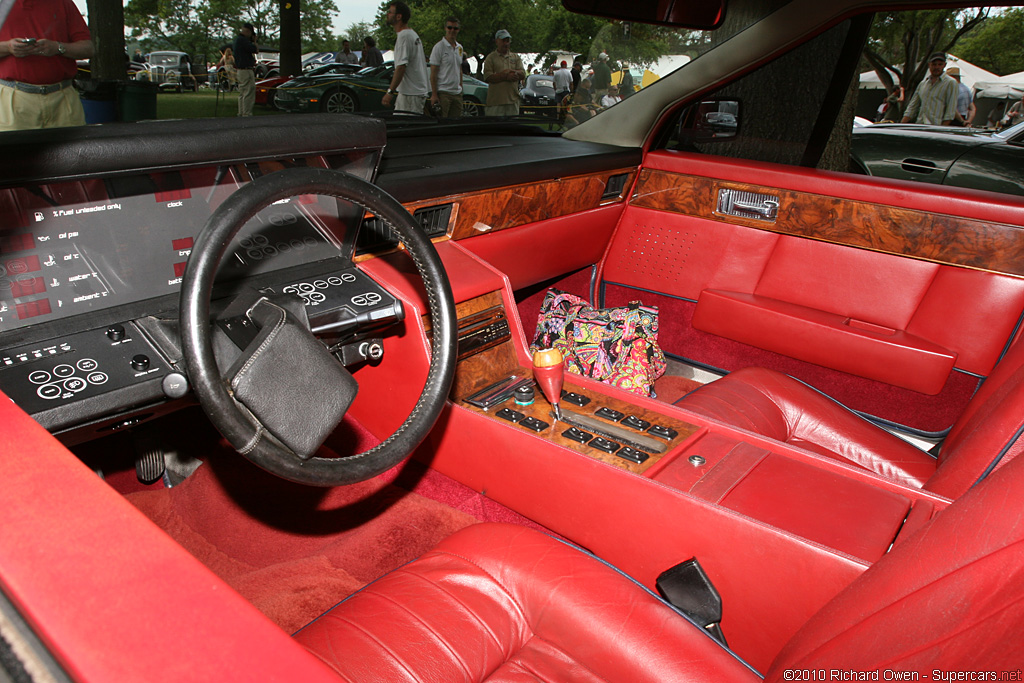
276	411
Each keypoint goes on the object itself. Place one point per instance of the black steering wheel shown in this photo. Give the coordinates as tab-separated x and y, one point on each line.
253	421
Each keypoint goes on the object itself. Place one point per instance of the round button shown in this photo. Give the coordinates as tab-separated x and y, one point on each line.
75	384
39	377
49	391
87	365
63	371
320	284
97	378
175	385
115	332
140	362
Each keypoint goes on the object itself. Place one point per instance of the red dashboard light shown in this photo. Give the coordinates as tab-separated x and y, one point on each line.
12	243
182	243
31	309
25	264
27	286
179	269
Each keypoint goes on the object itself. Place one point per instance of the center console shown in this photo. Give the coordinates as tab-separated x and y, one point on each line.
647	485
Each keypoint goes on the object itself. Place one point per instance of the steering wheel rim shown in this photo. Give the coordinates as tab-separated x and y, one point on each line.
236	423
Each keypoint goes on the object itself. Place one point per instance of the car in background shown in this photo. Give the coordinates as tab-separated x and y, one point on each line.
267	88
329	89
172	70
966	157
538	96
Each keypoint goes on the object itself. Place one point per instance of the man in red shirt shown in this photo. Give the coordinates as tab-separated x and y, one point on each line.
39	44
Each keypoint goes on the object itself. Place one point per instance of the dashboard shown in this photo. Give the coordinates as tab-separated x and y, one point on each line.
97	225
91	270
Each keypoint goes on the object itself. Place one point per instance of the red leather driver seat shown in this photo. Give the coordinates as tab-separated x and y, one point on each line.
782	408
503	603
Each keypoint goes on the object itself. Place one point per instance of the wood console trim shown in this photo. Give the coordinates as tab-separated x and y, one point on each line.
939	238
541	410
476	213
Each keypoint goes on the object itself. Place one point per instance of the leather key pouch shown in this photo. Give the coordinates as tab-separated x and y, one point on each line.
288	380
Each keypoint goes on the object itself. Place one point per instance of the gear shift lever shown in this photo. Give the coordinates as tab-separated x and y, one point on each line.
549	371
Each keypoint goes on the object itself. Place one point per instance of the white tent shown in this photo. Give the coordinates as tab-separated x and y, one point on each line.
994	96
969	74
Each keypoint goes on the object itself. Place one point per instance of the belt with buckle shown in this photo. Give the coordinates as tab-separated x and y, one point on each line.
36	89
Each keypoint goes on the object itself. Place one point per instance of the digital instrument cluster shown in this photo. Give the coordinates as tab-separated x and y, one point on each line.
62	259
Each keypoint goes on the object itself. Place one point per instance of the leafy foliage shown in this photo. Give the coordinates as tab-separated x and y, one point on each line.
997	45
204	27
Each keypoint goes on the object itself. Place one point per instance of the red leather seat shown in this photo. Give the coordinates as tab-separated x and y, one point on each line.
502	603
782	408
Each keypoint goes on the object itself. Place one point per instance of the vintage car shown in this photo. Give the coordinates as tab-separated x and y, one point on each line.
172	70
965	157
537	96
359	92
271	412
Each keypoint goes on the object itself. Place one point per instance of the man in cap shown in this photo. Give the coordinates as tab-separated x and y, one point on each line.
965	109
503	70
563	82
934	101
245	64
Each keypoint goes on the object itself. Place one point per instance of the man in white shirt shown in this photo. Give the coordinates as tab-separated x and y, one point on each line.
563	82
446	72
410	82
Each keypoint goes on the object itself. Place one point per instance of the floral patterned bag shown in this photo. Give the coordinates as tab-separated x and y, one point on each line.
618	346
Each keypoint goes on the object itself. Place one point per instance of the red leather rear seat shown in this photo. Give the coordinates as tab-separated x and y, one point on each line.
504	603
780	407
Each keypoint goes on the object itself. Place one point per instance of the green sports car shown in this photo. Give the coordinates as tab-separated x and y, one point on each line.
359	92
965	157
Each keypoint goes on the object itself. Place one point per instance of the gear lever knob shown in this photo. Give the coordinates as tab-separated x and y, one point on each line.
549	371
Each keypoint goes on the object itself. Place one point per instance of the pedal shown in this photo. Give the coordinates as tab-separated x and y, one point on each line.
149	461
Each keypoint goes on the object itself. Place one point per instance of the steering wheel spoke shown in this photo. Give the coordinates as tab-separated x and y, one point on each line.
285	393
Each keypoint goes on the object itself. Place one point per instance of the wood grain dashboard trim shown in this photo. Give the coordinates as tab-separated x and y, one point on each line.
939	238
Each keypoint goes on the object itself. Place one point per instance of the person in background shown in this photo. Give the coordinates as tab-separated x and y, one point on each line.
626	85
39	43
965	109
410	83
602	77
446	72
503	70
345	54
371	55
934	101
245	64
563	81
612	98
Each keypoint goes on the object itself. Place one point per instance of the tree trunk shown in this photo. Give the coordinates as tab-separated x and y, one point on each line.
106	24
291	38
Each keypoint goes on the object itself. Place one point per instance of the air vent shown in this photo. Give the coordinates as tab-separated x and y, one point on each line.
374	236
434	219
613	188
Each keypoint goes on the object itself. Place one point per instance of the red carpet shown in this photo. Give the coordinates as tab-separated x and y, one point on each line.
294	551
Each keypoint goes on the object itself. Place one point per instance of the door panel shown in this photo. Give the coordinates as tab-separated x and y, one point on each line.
849	289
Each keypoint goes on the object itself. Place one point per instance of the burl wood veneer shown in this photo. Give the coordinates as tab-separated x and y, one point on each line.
939	238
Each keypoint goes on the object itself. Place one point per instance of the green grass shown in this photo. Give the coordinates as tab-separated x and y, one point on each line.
203	104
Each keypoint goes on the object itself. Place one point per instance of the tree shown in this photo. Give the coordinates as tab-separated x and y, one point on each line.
901	42
195	27
997	45
106	18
